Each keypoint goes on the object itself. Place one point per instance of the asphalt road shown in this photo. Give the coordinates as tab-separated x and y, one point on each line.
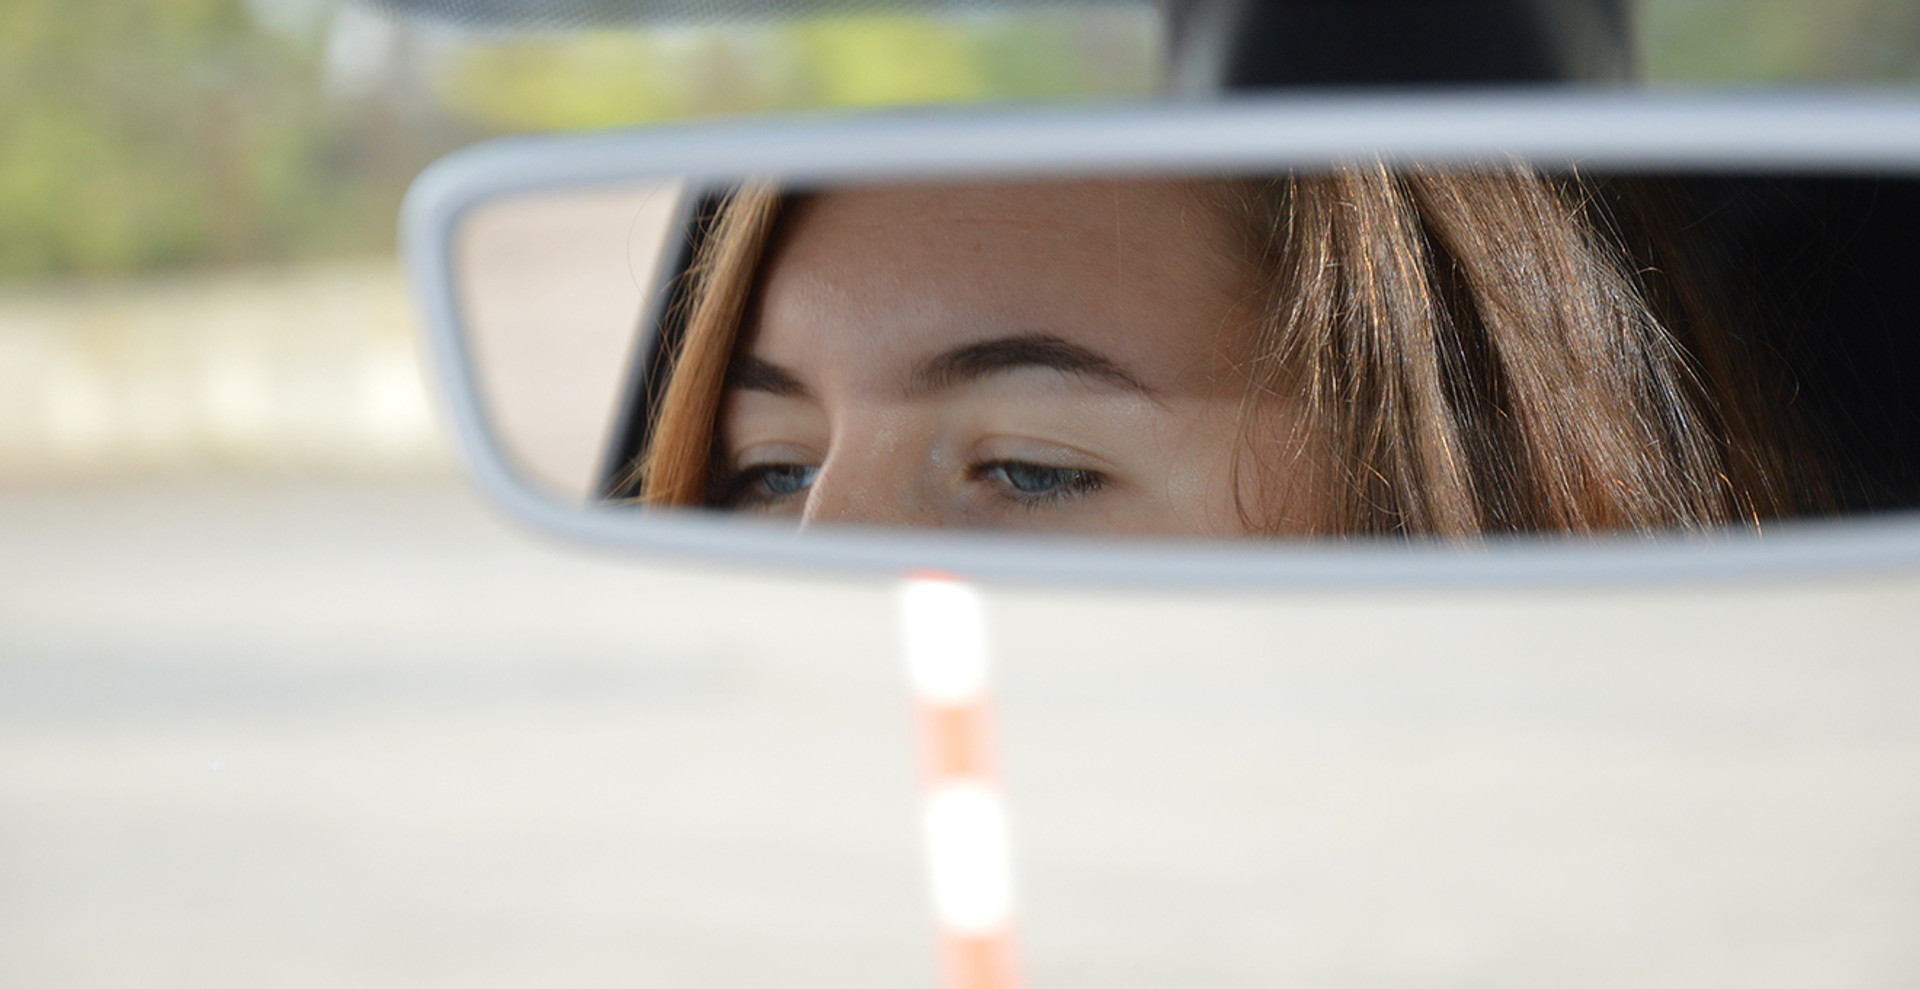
366	734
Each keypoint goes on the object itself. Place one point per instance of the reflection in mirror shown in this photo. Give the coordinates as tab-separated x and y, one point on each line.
1367	350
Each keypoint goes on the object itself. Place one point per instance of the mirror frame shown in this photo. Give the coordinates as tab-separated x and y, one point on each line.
1830	132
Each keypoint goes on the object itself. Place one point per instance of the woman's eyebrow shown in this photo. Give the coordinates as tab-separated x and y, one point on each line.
750	373
989	357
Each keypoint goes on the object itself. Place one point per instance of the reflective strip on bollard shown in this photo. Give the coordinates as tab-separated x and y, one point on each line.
969	856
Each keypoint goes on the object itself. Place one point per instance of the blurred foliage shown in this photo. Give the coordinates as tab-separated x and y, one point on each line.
610	78
1769	41
160	133
144	134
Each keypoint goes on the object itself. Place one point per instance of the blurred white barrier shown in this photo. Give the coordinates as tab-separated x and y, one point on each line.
302	370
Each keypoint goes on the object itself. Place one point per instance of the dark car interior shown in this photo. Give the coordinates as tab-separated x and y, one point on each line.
1821	268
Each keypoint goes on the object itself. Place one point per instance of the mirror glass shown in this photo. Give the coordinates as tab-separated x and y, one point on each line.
1434	351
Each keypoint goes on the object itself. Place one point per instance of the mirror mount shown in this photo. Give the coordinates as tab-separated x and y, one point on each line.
1216	47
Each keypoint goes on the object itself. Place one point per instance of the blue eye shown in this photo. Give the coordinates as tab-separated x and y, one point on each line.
1032	483
764	484
781	480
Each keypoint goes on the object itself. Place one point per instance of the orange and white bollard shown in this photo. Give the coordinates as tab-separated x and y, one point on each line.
969	860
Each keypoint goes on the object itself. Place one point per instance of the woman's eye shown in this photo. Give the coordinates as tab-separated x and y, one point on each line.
765	483
1038	483
786	479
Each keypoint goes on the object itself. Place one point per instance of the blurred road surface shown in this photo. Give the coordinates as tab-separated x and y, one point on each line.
366	734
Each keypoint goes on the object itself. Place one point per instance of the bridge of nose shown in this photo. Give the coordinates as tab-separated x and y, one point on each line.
882	474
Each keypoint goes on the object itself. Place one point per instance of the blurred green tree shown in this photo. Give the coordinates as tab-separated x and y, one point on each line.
611	78
160	133
145	134
1775	41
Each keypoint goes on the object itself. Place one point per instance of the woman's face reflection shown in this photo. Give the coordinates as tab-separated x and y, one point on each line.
1025	356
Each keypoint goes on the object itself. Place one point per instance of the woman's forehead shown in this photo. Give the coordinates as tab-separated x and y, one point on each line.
1142	269
1070	203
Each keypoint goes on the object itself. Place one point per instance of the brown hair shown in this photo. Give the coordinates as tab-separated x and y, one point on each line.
676	466
1462	351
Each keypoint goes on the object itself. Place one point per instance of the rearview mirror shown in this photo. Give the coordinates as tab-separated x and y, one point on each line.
1317	340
